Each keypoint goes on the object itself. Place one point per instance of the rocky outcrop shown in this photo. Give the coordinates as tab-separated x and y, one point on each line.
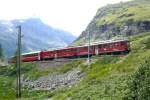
110	31
53	81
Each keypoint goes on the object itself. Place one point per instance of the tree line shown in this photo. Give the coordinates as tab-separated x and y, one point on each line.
1	52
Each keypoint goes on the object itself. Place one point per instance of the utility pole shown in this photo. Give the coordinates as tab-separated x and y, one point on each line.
88	48
19	63
125	31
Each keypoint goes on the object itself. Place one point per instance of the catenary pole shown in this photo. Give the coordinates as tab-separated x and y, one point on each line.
88	48
19	63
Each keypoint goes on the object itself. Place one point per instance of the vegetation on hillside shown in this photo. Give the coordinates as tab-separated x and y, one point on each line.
137	10
116	21
107	78
7	77
1	52
112	79
139	83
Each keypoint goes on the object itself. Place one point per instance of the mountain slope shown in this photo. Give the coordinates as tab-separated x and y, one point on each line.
117	21
107	78
36	36
112	78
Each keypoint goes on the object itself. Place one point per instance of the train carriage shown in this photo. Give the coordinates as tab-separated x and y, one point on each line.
66	52
83	50
47	55
98	48
119	46
32	56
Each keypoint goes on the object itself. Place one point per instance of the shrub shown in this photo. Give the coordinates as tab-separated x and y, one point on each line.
139	83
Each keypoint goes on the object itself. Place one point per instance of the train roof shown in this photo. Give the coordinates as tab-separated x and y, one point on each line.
93	43
27	53
30	53
100	42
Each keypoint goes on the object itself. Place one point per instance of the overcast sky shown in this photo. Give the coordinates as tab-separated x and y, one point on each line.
70	15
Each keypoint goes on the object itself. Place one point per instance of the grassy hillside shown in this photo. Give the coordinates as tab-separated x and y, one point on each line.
137	10
108	78
7	90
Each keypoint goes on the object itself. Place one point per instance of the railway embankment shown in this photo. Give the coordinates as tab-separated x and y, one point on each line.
53	81
44	65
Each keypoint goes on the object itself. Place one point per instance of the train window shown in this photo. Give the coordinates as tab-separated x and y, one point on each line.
122	43
78	49
99	46
116	44
105	45
85	48
91	48
73	50
68	50
111	45
28	55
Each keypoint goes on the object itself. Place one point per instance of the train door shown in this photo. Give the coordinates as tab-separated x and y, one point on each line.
39	58
96	50
78	51
55	55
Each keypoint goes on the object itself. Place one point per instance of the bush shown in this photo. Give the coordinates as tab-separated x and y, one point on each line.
139	83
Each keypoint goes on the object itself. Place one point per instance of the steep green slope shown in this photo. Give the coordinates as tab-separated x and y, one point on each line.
109	77
137	10
117	21
31	72
7	90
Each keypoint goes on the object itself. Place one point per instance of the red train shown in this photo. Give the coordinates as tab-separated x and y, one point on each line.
107	47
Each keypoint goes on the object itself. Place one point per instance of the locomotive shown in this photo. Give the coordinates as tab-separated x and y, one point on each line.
98	48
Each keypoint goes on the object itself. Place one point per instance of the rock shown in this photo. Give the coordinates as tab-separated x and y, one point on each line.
54	81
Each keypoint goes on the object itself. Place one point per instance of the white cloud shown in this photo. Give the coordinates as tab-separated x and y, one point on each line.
70	15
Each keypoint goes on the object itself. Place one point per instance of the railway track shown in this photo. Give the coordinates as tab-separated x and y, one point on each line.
66	60
46	64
